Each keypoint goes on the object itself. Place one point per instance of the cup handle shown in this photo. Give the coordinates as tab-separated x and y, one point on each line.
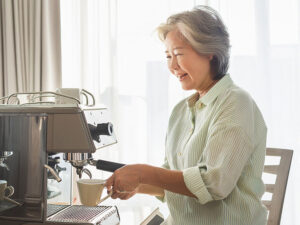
12	201
11	191
106	197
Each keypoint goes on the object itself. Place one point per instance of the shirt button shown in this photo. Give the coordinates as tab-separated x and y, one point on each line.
200	105
179	154
191	130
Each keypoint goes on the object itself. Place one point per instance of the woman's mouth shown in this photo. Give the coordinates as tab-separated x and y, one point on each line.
181	77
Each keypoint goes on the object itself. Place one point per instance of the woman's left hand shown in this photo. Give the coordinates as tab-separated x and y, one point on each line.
125	181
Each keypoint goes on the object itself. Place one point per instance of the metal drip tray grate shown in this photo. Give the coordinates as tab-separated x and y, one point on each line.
79	213
52	209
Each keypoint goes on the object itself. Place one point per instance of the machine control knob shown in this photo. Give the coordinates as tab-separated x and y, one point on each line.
100	129
105	129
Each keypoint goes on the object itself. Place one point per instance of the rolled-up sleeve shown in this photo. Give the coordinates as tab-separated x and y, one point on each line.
194	182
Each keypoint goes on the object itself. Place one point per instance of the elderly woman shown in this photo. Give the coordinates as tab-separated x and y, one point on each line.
216	138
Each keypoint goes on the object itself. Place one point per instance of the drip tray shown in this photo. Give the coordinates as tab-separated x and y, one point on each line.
5	205
87	215
53	209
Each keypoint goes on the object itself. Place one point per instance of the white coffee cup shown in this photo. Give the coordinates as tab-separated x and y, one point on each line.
5	191
90	191
71	92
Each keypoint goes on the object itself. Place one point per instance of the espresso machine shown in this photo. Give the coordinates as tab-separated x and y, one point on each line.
46	141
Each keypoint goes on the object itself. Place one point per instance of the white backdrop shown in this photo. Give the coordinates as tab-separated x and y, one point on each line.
109	47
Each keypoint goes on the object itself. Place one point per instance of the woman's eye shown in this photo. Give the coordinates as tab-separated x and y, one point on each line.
178	54
168	57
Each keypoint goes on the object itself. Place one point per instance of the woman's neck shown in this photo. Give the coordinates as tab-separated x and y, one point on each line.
207	88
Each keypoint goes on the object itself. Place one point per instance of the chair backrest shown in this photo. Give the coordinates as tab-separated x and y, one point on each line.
278	189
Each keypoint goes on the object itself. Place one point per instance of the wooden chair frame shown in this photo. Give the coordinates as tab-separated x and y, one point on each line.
278	189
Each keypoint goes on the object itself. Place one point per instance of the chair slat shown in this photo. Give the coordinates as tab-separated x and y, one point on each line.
271	169
267	204
270	188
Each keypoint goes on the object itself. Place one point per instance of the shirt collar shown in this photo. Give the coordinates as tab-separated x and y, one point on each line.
212	94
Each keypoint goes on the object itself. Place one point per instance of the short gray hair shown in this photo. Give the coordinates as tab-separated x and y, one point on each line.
203	28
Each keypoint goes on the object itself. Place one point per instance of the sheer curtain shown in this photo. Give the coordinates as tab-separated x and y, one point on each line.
110	48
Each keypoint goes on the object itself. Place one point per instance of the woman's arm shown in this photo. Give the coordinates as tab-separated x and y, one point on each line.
151	190
171	180
128	179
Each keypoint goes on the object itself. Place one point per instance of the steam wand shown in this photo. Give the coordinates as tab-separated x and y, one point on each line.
4	165
3	156
55	175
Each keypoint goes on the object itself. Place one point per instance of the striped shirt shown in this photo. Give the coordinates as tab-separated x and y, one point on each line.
219	143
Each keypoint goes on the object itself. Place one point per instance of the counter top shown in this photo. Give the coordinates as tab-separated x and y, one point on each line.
134	210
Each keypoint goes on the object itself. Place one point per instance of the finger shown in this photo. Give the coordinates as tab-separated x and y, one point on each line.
122	196
115	195
119	194
109	183
116	186
128	196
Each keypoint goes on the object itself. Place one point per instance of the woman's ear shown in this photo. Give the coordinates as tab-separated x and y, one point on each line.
210	57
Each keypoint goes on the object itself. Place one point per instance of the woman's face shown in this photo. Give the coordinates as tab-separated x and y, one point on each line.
192	69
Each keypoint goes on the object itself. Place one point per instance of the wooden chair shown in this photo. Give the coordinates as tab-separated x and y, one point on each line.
278	189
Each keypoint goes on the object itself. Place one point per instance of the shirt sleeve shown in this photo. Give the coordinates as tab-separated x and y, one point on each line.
165	165
226	153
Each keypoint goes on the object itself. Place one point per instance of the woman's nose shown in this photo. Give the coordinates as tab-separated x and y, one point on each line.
173	64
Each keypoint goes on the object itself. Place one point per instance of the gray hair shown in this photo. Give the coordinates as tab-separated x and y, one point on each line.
203	28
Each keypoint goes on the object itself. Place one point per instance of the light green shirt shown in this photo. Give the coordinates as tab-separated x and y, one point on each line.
219	143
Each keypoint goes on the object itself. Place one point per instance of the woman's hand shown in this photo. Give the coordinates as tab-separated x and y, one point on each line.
123	195
124	182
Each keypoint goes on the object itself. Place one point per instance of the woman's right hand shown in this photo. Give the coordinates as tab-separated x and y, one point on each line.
123	195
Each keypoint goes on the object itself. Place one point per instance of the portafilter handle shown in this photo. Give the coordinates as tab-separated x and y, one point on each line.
106	165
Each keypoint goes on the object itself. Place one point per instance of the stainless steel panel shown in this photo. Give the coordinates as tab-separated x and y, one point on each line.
69	133
25	136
